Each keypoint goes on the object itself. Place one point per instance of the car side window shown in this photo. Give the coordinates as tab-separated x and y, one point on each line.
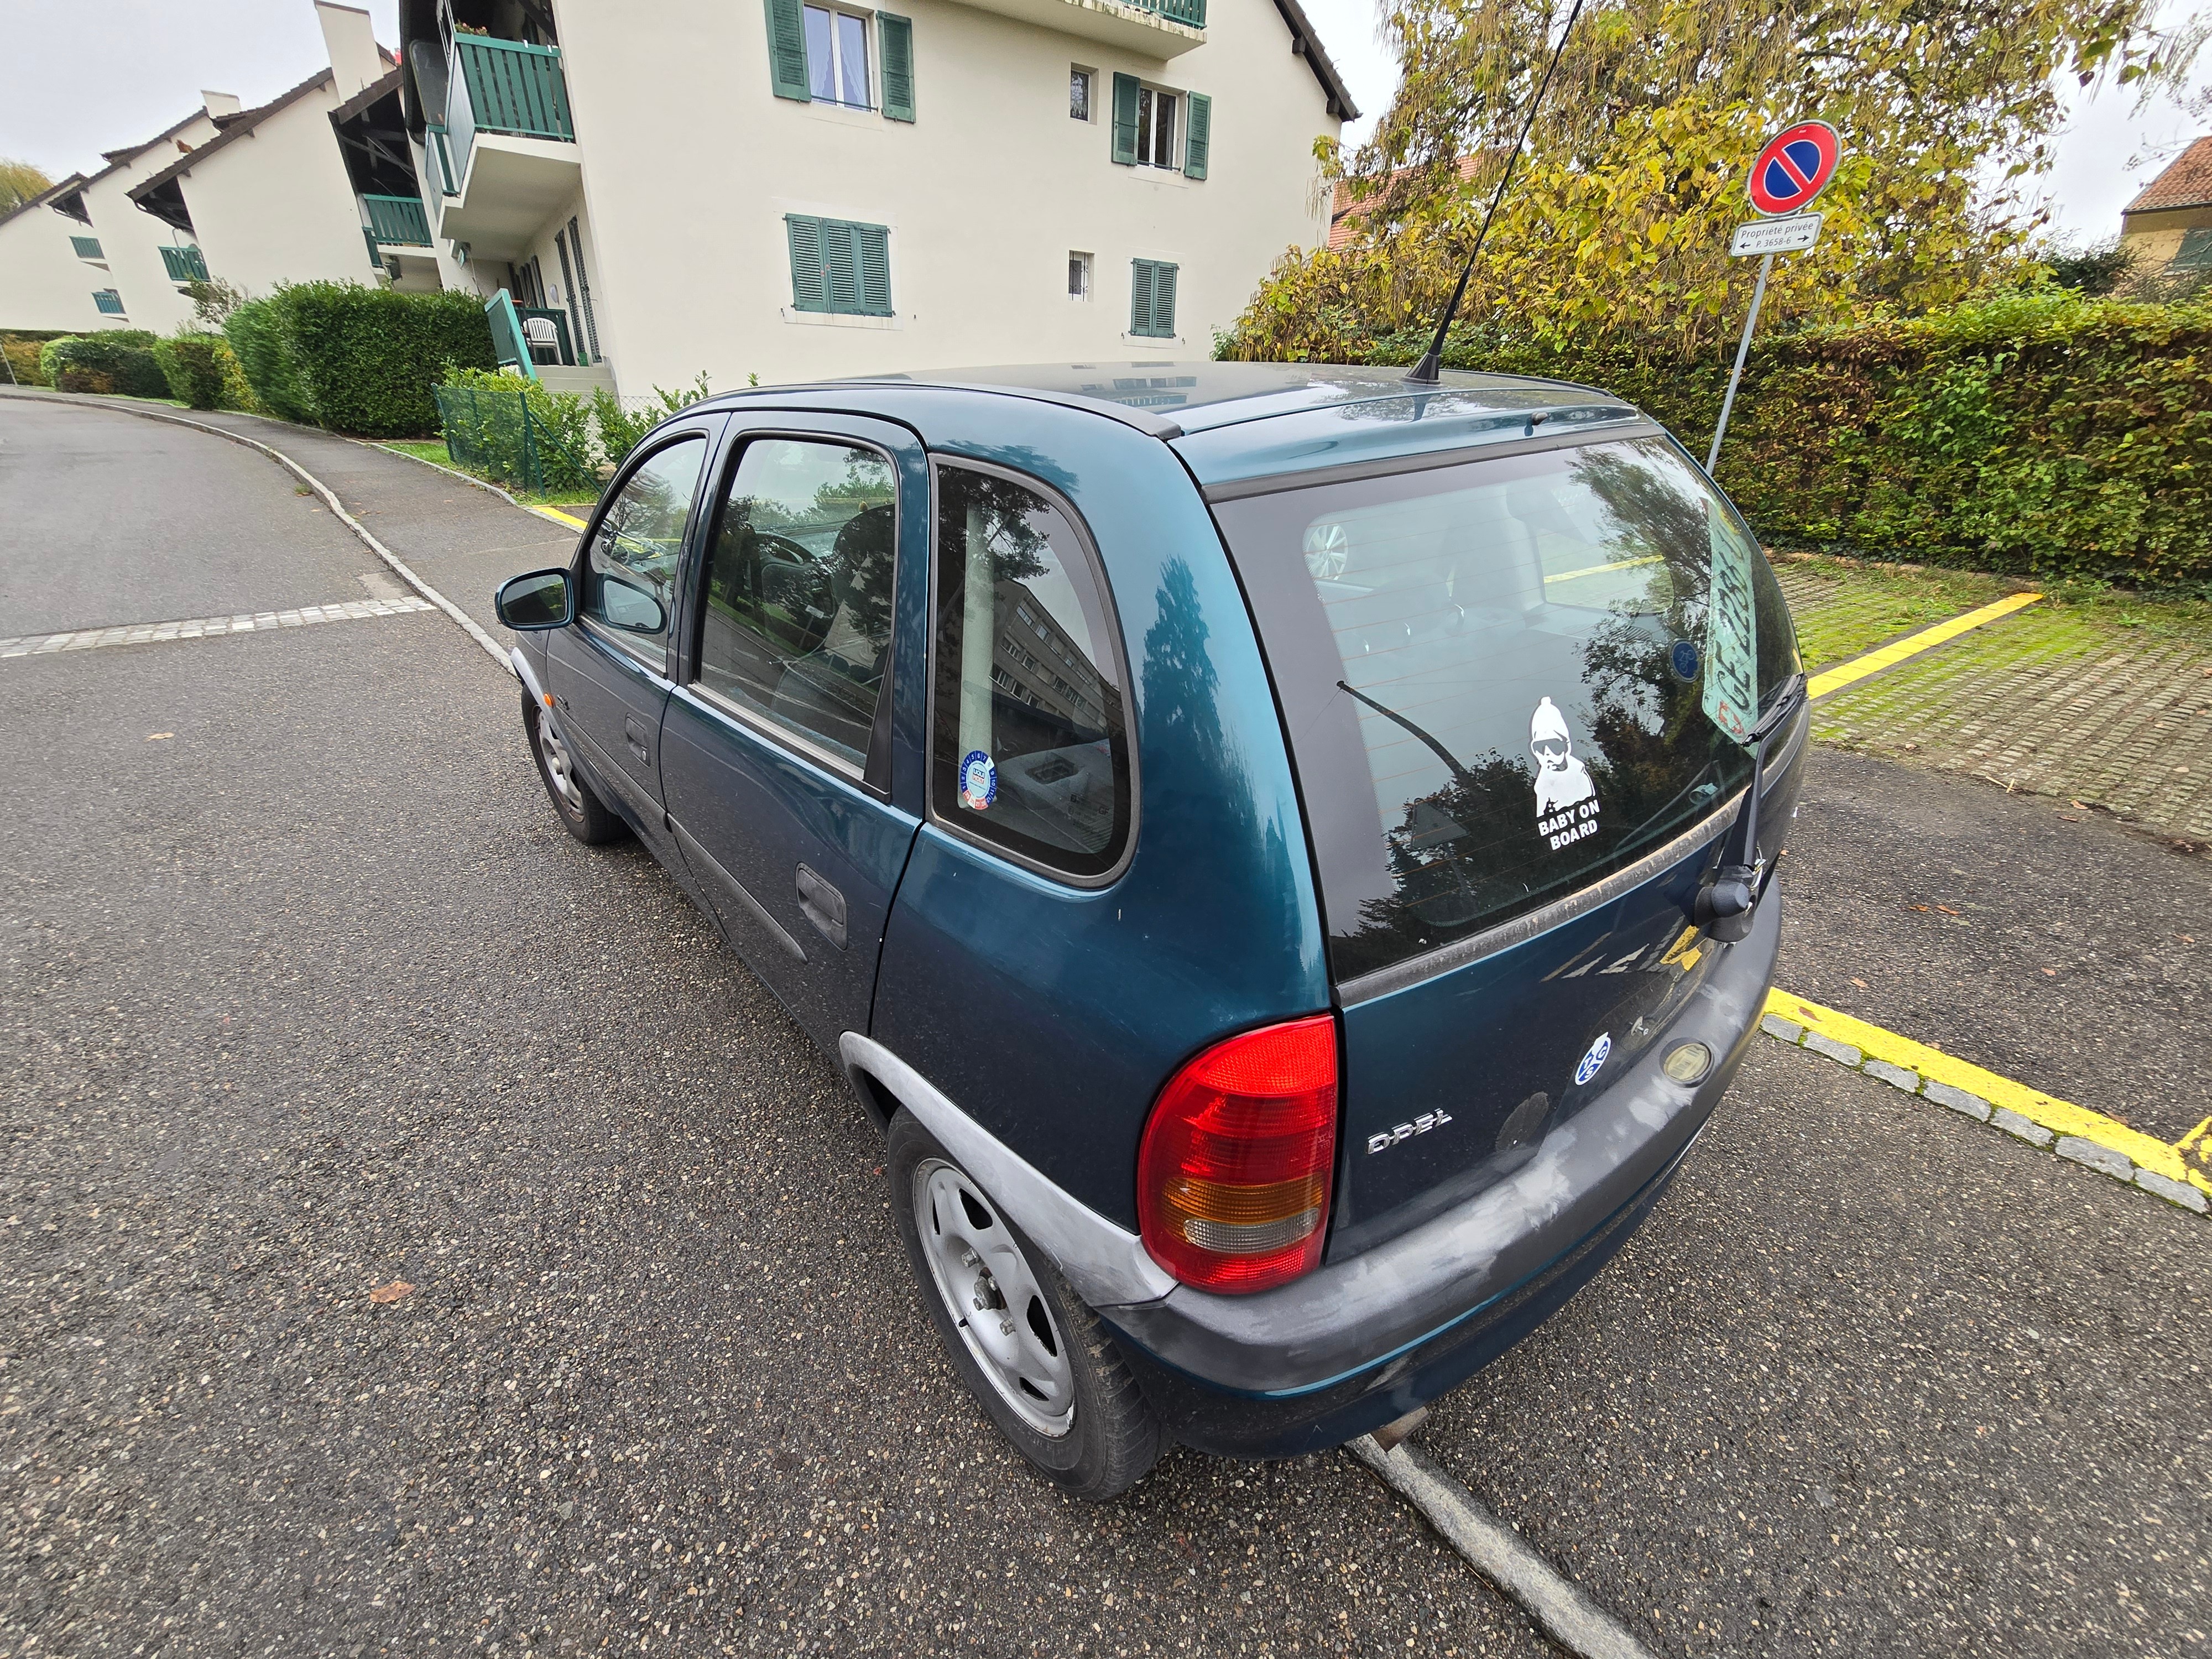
1029	748
629	571
797	624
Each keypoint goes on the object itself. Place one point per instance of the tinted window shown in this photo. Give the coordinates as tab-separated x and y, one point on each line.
1027	744
798	620
629	573
1504	679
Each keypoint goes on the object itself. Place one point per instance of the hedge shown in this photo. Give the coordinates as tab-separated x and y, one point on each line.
356	359
118	361
2040	432
196	367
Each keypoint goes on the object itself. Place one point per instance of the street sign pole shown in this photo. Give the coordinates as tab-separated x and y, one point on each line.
1742	350
1789	173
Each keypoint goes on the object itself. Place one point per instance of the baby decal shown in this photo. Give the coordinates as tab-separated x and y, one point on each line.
1566	800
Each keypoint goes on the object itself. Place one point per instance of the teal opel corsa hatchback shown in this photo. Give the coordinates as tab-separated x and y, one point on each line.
1282	854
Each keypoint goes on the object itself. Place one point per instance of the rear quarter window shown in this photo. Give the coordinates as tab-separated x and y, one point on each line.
1029	748
1502	679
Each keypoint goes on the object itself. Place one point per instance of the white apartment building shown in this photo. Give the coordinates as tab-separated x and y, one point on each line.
796	188
82	256
316	184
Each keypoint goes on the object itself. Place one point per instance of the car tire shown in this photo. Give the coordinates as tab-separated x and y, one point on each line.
582	812
1045	1371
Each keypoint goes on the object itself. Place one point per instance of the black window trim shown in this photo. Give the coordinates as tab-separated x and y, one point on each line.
700	432
866	774
1111	620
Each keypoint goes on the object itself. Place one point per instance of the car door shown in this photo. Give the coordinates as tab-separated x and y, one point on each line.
776	746
609	674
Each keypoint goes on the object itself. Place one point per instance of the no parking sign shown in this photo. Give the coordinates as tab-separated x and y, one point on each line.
1795	167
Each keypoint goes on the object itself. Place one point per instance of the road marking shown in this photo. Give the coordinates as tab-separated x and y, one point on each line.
468	625
1858	668
2101	1143
208	628
1500	1554
558	516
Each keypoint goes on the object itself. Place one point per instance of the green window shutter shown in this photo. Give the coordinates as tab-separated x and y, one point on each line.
786	49
87	247
895	44
875	270
1140	296
806	287
841	265
1164	298
1125	120
1198	135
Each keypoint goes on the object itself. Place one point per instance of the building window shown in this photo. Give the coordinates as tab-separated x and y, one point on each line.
1079	275
109	300
2195	252
1152	298
840	267
1078	93
185	264
838	57
1155	128
87	247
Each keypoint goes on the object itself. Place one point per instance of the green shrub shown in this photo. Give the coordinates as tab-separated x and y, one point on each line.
193	364
22	357
368	358
118	361
2042	432
512	429
620	429
256	331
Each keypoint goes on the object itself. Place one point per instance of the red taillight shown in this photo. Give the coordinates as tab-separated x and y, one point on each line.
1233	1177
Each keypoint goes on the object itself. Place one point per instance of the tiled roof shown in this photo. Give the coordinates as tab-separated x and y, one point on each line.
2186	182
1344	214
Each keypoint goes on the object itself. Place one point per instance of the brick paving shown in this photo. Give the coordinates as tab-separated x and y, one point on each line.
2055	702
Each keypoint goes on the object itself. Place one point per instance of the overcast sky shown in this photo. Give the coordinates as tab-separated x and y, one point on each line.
95	75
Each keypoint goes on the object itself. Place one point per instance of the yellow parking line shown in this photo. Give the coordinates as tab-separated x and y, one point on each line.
2060	1117
1834	679
558	517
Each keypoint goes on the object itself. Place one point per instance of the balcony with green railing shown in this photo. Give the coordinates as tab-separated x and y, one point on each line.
185	264
397	219
1156	29
503	87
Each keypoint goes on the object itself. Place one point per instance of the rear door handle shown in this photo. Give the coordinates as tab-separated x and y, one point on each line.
636	734
824	904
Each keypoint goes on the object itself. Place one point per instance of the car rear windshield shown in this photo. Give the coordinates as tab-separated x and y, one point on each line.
1504	678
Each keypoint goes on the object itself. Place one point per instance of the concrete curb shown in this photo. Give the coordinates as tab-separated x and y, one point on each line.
467	624
2044	1121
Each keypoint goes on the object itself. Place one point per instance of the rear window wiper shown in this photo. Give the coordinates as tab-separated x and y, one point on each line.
1724	903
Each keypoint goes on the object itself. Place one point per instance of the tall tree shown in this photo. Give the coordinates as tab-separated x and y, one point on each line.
19	182
1617	222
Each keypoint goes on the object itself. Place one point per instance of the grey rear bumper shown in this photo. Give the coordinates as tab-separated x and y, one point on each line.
1351	1317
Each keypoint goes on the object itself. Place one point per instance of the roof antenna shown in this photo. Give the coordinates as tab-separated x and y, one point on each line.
1430	370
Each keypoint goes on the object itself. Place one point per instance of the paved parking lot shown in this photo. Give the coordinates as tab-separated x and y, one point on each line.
306	994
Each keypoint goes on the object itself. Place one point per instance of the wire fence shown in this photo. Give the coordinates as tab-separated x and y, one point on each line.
496	432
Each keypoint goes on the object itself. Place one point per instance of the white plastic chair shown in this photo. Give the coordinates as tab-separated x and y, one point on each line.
543	339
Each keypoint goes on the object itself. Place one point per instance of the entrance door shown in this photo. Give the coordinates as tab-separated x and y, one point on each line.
776	749
608	675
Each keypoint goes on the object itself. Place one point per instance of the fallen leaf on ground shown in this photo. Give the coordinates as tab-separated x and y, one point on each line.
155	736
1947	909
1915	906
1861	983
391	1293
2051	973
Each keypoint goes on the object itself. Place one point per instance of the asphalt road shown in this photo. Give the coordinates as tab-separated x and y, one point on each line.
311	995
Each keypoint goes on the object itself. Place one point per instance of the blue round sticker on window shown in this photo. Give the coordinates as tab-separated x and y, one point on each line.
979	780
1594	1061
1686	661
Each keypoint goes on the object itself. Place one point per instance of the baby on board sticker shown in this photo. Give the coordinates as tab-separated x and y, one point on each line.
1566	799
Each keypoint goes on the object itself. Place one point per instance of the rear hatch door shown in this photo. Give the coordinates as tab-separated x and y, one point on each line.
1517	687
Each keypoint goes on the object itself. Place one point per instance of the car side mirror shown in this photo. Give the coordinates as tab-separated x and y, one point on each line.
626	606
539	599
